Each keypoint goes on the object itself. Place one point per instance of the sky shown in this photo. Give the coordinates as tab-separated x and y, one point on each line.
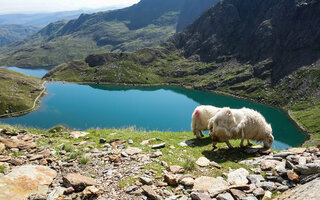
41	6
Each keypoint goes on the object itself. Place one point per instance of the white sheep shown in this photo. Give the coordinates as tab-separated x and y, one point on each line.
240	124
200	118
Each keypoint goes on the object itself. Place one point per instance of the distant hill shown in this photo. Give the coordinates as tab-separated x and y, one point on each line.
42	19
12	33
148	23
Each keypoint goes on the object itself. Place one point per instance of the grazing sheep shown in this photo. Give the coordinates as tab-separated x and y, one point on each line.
200	118
240	124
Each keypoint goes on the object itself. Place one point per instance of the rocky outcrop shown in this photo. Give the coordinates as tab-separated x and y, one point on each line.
26	180
285	32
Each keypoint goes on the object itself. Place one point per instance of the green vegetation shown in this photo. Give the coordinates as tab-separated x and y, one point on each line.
18	91
11	33
85	159
2	168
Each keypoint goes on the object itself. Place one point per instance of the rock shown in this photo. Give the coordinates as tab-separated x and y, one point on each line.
144	142
297	150
307	178
283	154
150	192
237	194
265	151
4	158
17	144
68	190
130	141
282	188
102	140
131	188
171	179
56	193
267	195
268	186
240	187
116	142
238	177
124	154
156	154
269	164
175	169
258	192
307	169
188	181
200	196
26	180
133	150
164	163
203	162
36	157
216	165
77	181
255	179
302	161
16	162
146	180
161	184
186	143
209	184
158	146
77	134
253	150
2	148
292	176
90	191
249	198
309	191
114	158
225	196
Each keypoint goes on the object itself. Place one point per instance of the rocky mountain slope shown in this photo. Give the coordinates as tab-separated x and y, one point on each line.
148	23
18	91
227	50
127	164
12	33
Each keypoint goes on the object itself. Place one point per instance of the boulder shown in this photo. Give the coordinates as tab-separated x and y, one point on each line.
133	150
269	164
150	192
175	169
26	180
308	191
78	182
292	176
188	181
238	177
209	184
171	179
307	169
203	162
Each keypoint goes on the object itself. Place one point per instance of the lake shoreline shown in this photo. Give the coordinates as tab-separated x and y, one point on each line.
287	112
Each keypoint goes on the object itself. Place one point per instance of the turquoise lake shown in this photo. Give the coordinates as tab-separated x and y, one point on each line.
147	108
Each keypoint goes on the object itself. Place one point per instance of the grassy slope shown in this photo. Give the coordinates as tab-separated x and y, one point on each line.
11	33
18	91
163	66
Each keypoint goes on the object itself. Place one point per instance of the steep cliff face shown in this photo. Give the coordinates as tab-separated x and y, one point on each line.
284	31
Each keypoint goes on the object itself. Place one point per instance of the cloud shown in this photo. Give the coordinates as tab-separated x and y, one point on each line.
32	6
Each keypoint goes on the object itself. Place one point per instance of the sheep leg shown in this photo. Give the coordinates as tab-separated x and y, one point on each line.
201	134
242	138
229	145
249	143
197	133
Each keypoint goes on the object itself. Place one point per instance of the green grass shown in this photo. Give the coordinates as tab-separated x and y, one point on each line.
2	168
18	91
85	159
68	148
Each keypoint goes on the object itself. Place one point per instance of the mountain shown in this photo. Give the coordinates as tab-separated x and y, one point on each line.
12	33
267	51
146	24
43	19
18	91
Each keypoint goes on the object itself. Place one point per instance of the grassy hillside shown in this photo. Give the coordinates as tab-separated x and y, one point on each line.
148	23
13	33
18	91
